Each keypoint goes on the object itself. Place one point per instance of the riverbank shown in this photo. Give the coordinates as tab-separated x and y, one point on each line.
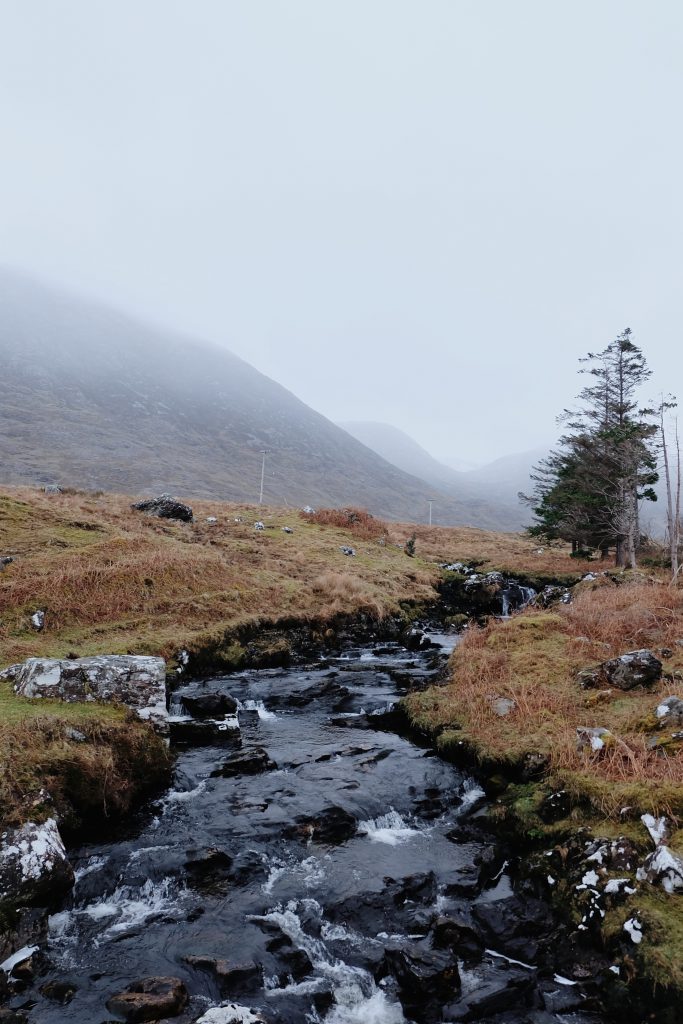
571	800
216	594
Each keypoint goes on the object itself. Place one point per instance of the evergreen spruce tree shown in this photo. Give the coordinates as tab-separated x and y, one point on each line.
588	491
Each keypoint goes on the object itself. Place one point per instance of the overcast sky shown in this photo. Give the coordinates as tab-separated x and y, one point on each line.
418	212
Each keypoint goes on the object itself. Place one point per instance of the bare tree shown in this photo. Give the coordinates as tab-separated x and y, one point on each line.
673	489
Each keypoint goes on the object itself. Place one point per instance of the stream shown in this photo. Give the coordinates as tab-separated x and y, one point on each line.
350	882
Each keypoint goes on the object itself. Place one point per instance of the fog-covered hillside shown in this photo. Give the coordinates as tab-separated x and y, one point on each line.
92	398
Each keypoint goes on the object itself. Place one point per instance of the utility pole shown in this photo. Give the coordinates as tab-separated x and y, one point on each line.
430	502
264	452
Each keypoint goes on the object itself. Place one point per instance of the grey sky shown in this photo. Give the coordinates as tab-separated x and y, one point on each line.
420	212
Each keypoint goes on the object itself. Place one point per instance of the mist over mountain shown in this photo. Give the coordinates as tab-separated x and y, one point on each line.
92	398
494	486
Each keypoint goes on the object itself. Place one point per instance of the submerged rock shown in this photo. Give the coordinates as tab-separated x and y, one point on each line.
137	681
34	868
331	825
150	999
245	762
165	507
191	733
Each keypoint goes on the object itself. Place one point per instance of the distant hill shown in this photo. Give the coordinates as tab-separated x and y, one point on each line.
493	487
92	398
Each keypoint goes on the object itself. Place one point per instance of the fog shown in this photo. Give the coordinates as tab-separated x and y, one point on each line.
418	213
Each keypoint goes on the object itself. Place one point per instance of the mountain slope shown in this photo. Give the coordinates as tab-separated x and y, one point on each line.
92	398
493	487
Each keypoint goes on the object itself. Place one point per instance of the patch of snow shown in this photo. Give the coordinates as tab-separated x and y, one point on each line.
634	929
22	954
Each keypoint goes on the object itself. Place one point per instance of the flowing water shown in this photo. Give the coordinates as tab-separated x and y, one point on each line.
256	870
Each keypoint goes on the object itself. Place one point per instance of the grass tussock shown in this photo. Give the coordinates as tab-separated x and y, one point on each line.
94	761
533	660
357	521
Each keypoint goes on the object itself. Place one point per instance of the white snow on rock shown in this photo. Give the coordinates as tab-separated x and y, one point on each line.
137	681
17	958
662	867
33	863
657	827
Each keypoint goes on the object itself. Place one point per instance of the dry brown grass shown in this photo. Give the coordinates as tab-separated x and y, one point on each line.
507	551
111	580
357	521
534	658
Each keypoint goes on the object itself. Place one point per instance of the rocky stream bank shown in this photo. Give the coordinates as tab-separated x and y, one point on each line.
312	860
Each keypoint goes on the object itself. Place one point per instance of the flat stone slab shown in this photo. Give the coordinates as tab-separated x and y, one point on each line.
137	681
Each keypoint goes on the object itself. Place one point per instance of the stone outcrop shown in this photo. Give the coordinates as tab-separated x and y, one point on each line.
165	507
636	668
134	680
34	868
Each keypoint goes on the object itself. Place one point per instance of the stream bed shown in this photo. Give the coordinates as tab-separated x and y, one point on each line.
341	875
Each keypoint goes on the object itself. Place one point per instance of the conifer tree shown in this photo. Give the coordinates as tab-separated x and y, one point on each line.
588	491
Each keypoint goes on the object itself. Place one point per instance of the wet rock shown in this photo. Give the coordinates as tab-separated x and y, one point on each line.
137	681
501	989
296	961
191	733
231	976
209	705
637	668
209	866
150	999
563	997
534	766
457	933
415	640
332	825
245	762
426	978
34	868
326	688
515	926
165	507
59	991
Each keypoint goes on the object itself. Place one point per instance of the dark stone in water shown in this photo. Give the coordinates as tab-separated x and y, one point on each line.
331	825
59	991
426	979
245	762
318	691
231	976
150	999
207	866
457	933
210	705
515	926
203	734
504	989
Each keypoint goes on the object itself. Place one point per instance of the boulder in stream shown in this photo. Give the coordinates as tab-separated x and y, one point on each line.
331	825
209	705
34	868
245	762
150	999
426	978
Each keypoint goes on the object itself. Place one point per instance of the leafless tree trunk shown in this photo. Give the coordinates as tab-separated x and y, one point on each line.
673	496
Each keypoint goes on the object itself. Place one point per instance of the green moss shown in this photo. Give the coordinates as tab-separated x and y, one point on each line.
18	709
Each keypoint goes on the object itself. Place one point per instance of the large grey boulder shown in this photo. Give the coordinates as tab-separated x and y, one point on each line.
135	680
636	668
34	868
